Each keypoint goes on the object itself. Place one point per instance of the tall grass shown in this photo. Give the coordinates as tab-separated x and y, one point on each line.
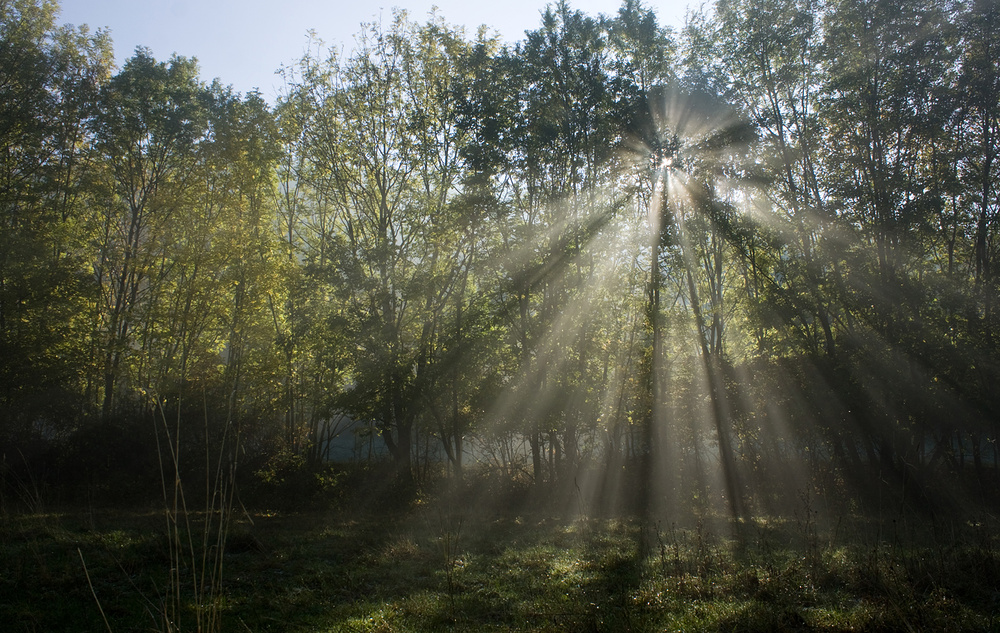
196	539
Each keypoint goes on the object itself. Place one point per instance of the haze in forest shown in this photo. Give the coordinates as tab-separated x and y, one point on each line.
714	307
639	269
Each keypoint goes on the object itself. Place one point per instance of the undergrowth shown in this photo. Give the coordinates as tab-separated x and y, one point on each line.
424	569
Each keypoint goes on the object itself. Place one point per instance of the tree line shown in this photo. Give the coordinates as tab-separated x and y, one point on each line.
675	265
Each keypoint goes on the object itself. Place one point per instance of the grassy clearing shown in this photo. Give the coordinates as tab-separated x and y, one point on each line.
431	570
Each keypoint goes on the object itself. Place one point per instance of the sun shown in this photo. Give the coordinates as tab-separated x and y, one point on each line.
628	257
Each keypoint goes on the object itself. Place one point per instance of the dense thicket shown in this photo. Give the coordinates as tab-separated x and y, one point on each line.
727	265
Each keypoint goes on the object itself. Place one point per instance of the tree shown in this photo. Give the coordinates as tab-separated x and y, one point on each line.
888	74
773	56
692	144
48	82
979	82
559	156
152	117
383	143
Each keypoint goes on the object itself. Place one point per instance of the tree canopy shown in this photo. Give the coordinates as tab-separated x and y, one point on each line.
656	268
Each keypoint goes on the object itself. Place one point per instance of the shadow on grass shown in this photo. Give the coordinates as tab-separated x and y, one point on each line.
434	567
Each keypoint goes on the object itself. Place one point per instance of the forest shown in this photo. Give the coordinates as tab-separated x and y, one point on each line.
687	294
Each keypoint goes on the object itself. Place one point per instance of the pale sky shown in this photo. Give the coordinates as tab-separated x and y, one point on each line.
243	42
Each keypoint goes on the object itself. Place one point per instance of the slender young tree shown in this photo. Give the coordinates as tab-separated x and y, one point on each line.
152	117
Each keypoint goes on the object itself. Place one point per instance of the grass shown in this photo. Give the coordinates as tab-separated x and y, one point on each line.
428	569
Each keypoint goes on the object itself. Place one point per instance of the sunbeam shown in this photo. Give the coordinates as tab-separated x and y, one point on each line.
610	327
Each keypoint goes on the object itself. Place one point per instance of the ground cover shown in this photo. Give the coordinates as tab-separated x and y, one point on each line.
440	567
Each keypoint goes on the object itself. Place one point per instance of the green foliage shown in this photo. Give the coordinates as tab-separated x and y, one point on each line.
695	264
48	88
308	571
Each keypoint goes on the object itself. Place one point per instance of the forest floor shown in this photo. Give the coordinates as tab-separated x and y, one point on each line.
432	568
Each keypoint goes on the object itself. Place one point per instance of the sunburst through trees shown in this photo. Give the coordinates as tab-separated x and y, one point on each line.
625	268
